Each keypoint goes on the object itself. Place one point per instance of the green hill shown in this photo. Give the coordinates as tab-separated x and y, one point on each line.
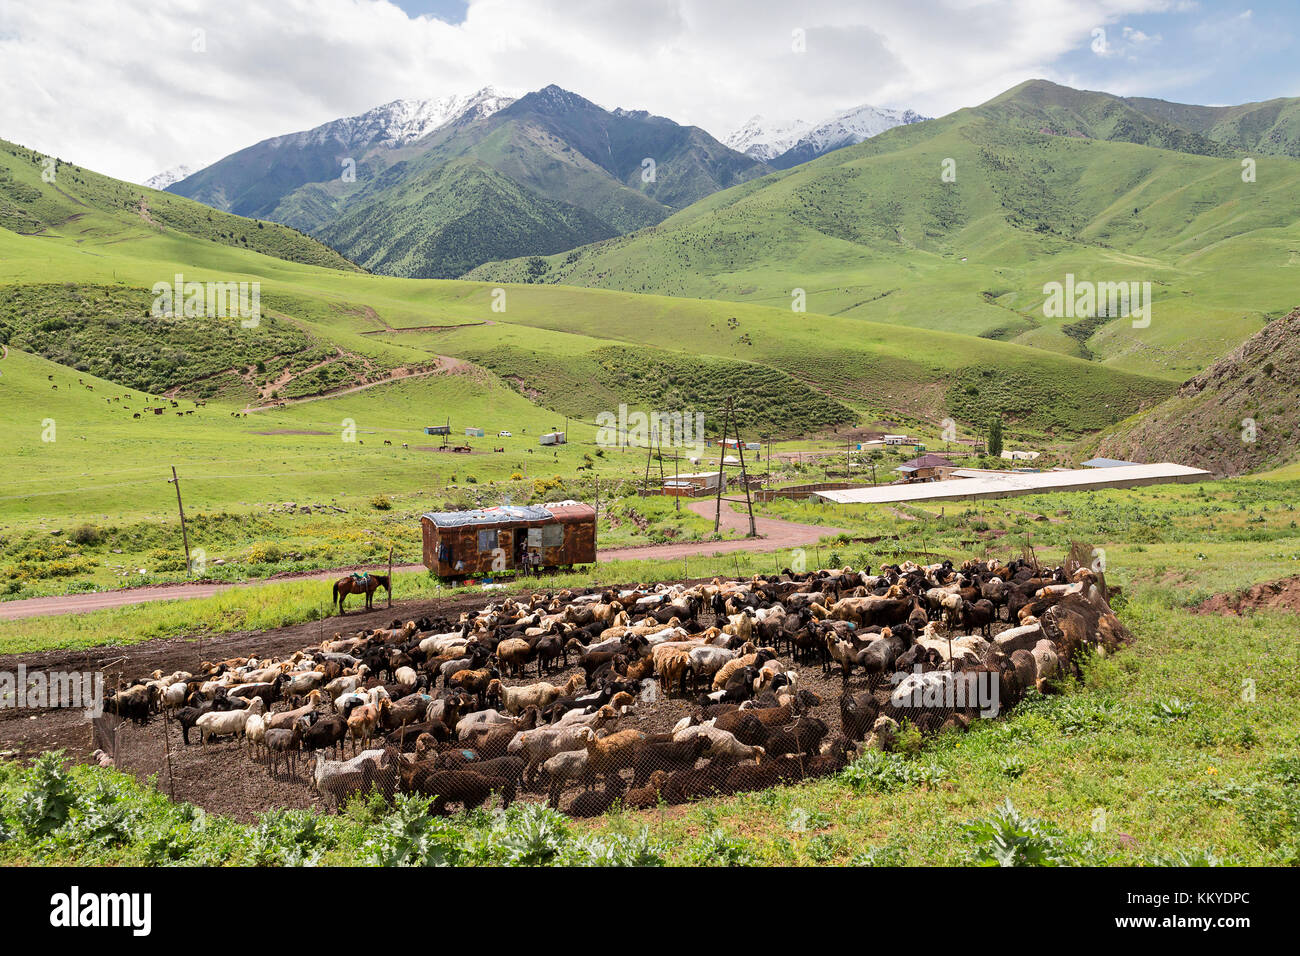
875	231
444	221
40	195
410	352
1271	128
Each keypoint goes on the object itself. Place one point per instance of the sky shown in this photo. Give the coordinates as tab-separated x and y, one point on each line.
130	88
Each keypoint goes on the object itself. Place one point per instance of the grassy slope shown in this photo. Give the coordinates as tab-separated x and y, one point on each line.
32	206
107	468
443	222
872	232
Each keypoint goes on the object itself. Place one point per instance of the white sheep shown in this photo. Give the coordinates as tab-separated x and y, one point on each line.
722	743
226	722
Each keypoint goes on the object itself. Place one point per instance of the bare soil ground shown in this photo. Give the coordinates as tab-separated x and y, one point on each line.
1283	595
223	778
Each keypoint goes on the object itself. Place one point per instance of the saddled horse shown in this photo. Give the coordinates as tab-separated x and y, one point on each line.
365	584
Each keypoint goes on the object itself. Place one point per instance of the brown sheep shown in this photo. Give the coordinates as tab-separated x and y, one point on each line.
606	756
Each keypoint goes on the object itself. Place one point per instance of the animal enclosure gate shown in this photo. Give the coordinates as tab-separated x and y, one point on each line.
140	751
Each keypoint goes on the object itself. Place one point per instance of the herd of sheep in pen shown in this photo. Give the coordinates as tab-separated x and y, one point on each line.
459	710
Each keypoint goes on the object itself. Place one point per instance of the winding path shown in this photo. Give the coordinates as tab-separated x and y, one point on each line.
774	535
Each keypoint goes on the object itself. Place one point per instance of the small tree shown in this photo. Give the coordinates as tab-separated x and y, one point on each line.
995	436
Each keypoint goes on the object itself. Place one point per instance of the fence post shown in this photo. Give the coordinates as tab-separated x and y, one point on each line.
167	753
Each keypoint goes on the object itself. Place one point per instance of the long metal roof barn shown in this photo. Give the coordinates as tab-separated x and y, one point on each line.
1029	483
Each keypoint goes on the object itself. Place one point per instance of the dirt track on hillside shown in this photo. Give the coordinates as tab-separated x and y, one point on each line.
774	535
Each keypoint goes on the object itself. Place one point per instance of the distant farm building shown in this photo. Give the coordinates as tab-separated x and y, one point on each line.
695	484
474	432
926	468
895	439
1010	455
437	429
552	438
460	544
1004	484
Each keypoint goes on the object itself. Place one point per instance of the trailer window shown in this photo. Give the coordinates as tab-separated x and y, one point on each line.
552	535
487	540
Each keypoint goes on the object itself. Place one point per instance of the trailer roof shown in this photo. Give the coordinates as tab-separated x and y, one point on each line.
504	514
511	514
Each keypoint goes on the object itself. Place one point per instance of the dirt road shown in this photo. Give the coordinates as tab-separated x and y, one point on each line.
774	535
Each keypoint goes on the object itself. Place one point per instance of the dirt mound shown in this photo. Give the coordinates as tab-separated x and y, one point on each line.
1281	595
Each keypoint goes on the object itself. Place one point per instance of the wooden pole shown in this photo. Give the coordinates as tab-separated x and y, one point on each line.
677	486
167	751
181	508
717	514
389	589
744	480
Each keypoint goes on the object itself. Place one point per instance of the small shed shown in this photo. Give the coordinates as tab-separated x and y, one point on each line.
895	439
460	544
437	429
552	438
473	432
694	484
926	467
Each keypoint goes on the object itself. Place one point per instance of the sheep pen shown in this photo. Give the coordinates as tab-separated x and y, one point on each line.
636	697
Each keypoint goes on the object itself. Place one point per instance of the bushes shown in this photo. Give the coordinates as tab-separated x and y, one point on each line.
85	534
380	503
48	799
88	815
887	772
265	552
1008	838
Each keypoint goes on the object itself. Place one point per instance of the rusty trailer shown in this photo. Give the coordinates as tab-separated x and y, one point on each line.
460	544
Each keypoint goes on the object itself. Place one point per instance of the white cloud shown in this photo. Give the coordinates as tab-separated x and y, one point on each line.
115	84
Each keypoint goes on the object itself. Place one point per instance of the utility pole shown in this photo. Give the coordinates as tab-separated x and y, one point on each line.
181	508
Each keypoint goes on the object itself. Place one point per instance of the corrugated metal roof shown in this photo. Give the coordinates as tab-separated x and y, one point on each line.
511	514
570	510
1028	483
925	461
505	514
1108	463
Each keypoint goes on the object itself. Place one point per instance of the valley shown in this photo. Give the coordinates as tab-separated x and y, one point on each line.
847	298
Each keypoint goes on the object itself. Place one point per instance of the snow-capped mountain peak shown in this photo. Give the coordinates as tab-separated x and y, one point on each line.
855	125
406	120
168	176
765	139
769	140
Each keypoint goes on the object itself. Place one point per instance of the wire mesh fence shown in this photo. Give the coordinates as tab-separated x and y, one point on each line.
676	694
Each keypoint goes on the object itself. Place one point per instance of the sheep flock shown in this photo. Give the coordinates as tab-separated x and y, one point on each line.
642	696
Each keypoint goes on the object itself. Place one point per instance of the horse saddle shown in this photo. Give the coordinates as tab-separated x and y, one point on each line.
361	576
